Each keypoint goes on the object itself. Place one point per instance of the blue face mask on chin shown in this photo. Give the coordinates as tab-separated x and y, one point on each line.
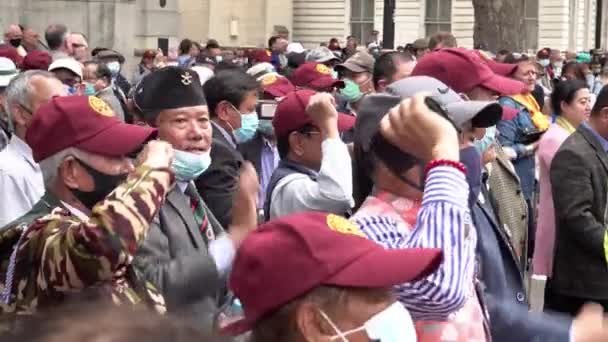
249	126
488	139
188	166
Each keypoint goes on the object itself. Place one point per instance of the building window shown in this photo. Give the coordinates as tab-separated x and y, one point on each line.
531	24
362	19
438	16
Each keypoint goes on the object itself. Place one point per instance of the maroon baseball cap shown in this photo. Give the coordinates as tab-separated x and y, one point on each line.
262	56
462	70
84	122
11	53
315	76
502	69
291	114
286	258
276	85
37	60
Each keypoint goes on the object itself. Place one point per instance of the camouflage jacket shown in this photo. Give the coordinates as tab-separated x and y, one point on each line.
57	256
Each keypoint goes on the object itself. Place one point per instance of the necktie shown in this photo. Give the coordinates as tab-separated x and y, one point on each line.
200	214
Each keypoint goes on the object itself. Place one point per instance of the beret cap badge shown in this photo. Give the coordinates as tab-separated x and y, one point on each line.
186	78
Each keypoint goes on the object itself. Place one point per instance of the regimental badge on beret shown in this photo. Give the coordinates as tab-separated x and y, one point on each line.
341	225
100	106
323	69
186	78
268	80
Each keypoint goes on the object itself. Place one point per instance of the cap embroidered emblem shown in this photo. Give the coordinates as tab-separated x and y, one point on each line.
341	225
100	106
323	69
268	80
186	78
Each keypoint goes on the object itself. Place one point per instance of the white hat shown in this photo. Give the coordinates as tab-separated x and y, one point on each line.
8	71
260	69
204	73
67	63
295	48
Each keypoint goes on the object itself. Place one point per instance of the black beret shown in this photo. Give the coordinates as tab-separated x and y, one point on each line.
168	88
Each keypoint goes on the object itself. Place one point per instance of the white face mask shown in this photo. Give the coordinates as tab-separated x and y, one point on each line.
544	62
393	324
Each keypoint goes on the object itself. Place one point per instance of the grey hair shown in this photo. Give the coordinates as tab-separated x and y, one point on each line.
19	91
50	166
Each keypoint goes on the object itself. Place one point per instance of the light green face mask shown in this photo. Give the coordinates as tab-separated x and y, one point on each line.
488	139
351	91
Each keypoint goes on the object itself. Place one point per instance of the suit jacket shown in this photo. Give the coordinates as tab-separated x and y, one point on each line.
174	257
509	204
579	180
252	152
218	184
504	293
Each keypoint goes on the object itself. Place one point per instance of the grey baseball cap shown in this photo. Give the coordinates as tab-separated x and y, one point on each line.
482	114
374	107
321	55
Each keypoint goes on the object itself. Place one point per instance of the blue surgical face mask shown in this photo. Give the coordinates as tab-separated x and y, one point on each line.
249	126
334	74
484	143
188	166
265	127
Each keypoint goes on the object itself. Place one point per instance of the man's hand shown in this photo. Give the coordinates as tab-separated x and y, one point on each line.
489	156
244	210
416	130
590	325
322	110
156	154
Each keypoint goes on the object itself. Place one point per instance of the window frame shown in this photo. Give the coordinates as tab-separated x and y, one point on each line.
436	21
361	20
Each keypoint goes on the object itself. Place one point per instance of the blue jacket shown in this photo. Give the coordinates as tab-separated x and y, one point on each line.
511	133
504	293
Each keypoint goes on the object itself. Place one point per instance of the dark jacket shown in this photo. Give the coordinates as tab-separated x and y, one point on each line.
219	183
252	152
504	293
175	259
579	179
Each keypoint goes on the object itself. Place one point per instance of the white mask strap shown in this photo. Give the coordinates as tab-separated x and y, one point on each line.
340	335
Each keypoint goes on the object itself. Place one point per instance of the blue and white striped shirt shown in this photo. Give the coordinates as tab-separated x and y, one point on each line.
443	222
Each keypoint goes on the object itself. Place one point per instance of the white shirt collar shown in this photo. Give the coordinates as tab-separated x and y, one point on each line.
75	211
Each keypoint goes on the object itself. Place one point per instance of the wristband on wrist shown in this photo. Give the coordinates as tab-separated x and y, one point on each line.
445	162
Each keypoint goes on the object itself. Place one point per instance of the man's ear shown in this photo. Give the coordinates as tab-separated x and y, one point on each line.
604	113
309	324
223	111
68	174
295	144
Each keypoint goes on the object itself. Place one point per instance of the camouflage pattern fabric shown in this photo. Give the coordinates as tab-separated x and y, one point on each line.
59	256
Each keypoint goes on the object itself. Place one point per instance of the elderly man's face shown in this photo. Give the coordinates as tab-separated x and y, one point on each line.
30	37
76	175
43	89
187	129
359	306
80	46
13	32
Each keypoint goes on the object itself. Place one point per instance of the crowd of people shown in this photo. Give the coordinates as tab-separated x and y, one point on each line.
292	194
